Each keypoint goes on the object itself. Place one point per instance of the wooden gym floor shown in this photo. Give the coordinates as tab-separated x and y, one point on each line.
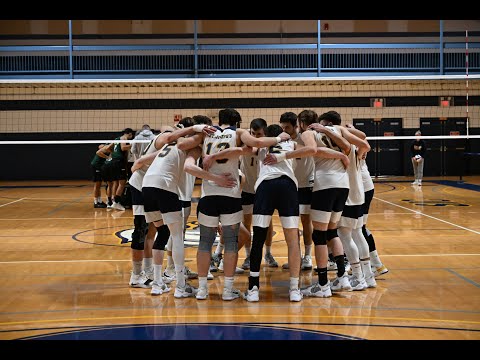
65	269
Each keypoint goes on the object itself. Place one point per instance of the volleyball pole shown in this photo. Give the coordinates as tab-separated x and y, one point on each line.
466	72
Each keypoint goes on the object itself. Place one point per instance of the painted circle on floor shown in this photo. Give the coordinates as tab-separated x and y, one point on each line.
193	332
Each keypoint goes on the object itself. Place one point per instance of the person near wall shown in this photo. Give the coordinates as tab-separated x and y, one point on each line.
417	152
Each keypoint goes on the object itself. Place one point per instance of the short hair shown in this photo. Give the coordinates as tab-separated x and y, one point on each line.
289	117
202	119
331	116
146	127
128	131
274	130
257	124
230	117
308	117
418	132
186	122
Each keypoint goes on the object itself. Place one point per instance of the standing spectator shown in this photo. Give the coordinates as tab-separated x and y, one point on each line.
417	151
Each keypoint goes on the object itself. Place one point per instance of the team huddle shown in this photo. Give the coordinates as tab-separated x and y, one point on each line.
308	167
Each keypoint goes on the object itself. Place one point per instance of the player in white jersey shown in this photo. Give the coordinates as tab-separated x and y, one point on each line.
249	167
304	172
330	191
351	220
274	180
378	267
220	205
143	234
163	208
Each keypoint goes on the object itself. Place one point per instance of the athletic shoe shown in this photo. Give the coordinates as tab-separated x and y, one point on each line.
190	274
377	271
202	293
101	205
216	258
341	283
187	291
140	281
295	295
357	284
270	260
246	263
415	182
307	262
169	274
230	294
371	283
213	267
252	295
285	266
159	289
118	206
210	276
331	265
317	290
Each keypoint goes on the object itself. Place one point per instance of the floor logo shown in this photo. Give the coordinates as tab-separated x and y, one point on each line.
434	202
192	235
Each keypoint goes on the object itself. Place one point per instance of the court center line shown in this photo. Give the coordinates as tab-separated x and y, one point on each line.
11	202
429	216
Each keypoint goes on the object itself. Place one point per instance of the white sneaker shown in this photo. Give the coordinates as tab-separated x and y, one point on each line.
419	183
159	289
220	265
356	283
307	262
348	268
239	270
371	283
331	266
202	293
415	182
149	275
295	295
118	206
169	274
270	260
246	263
210	275
252	295
230	294
286	266
140	281
341	283
377	271
187	291
317	290
190	274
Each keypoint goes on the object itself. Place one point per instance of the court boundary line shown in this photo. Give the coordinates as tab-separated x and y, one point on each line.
11	202
429	216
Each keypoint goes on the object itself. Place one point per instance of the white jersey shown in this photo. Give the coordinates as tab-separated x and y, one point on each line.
249	168
366	178
356	195
329	173
305	169
220	140
136	179
185	186
166	170
286	167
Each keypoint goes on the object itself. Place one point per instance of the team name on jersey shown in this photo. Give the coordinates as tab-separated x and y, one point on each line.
225	136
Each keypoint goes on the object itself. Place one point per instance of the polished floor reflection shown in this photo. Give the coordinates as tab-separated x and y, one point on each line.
66	268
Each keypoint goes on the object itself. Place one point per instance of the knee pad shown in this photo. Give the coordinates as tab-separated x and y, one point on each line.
319	237
139	233
162	238
331	233
207	237
230	237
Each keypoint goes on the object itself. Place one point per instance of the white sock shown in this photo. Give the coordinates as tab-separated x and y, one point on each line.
308	249
99	199
95	200
137	267
294	283
180	273
357	270
228	284
247	250
157	273
255	274
169	260
367	270
219	249
267	249
147	264
374	259
202	282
